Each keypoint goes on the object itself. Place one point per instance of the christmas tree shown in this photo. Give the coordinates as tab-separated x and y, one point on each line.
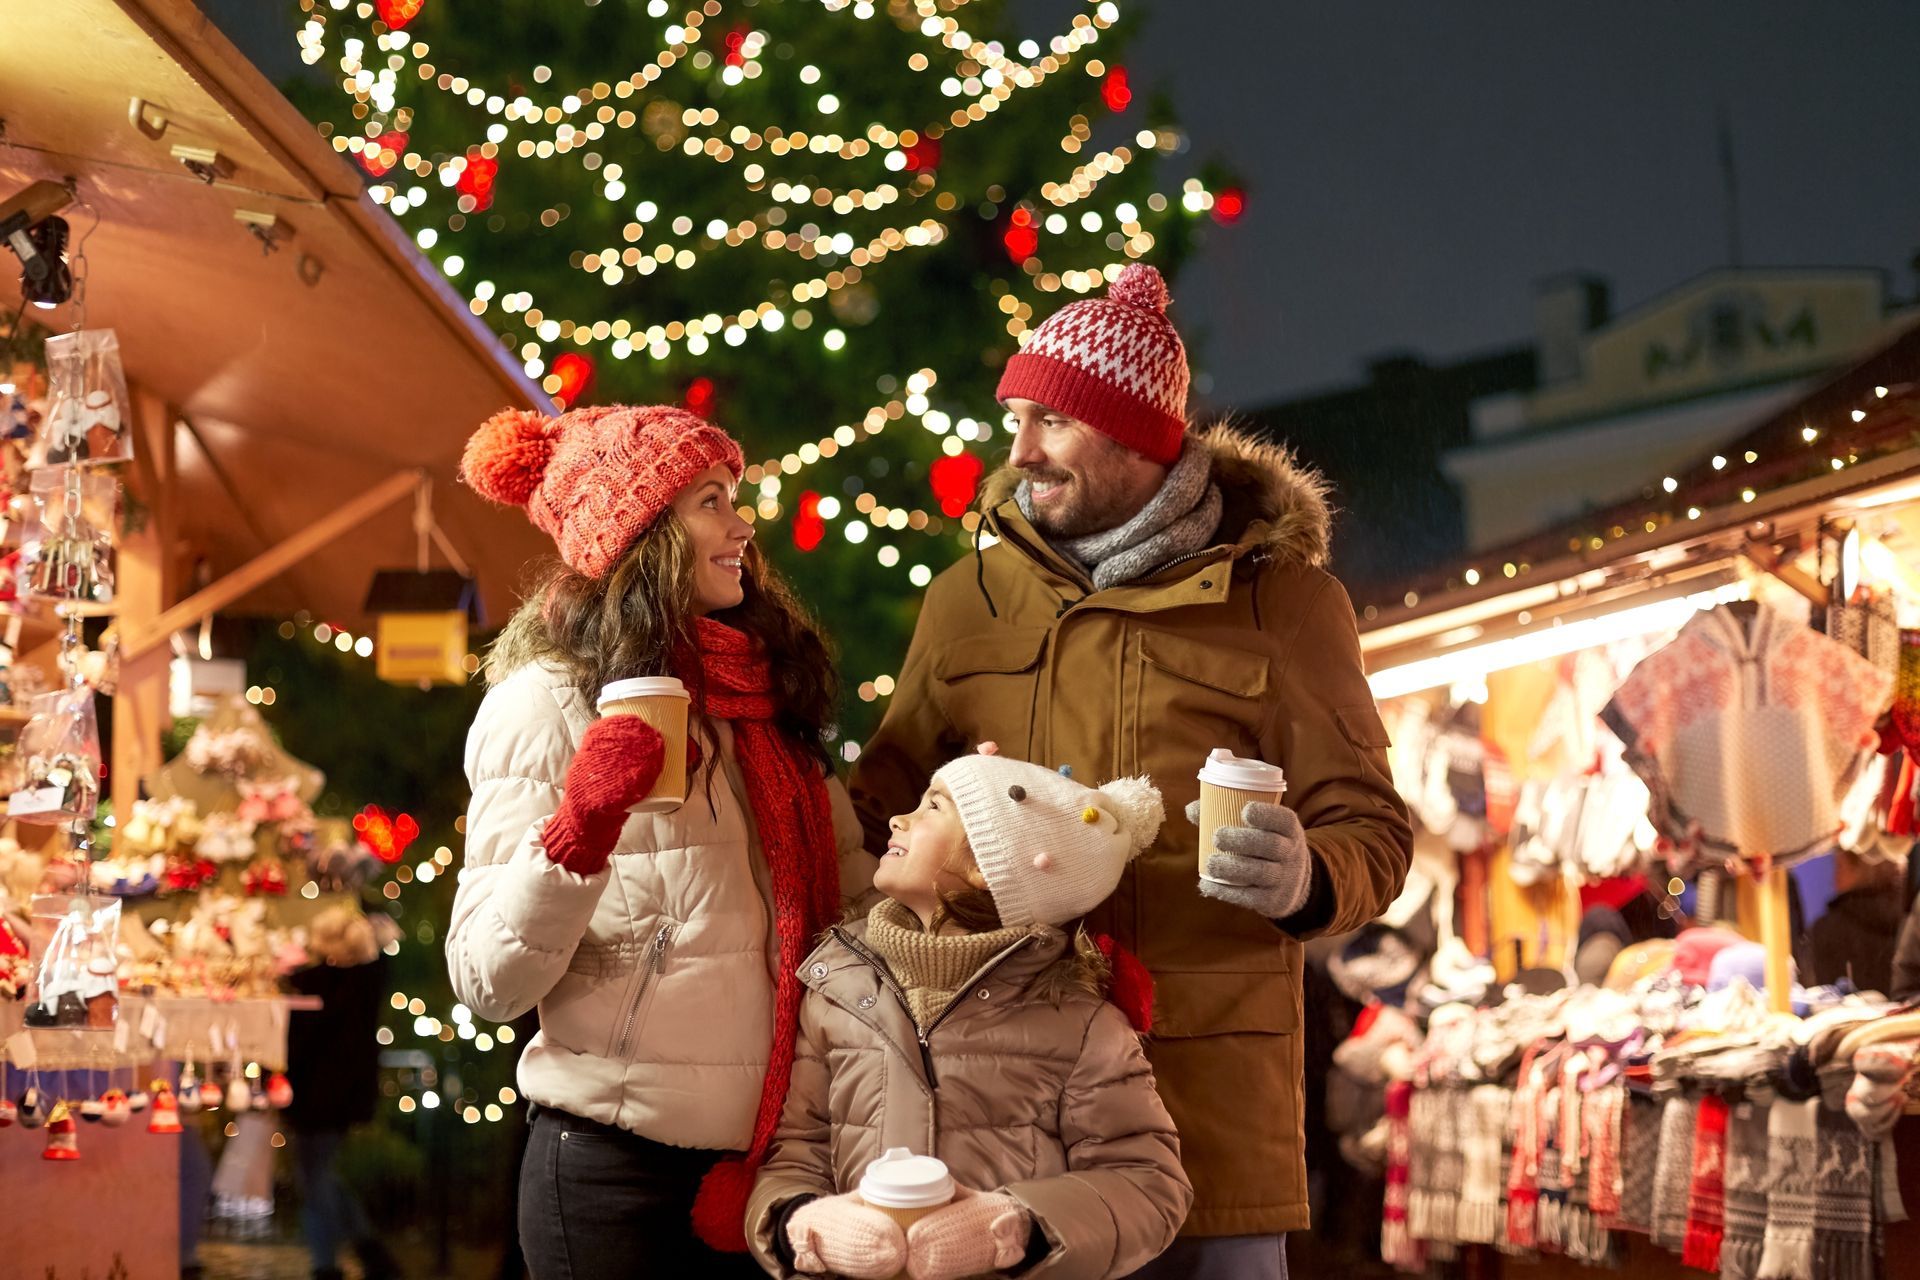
823	223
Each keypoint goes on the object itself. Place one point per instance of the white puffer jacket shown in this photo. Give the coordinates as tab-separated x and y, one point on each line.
654	978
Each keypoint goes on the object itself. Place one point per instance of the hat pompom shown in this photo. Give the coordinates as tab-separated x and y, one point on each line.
1137	806
1140	286
507	457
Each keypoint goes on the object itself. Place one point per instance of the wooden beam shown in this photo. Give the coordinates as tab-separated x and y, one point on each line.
1770	559
143	587
270	563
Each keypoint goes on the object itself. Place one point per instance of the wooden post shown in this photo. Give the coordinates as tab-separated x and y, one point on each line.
142	590
1776	935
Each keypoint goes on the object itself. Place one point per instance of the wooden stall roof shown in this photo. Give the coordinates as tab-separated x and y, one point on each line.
309	373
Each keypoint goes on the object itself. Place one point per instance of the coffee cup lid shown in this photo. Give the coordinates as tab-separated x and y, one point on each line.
1225	769
642	687
899	1179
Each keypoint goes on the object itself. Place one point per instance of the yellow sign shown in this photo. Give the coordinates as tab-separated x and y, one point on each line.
415	648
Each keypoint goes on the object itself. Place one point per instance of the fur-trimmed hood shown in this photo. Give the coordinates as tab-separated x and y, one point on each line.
1276	508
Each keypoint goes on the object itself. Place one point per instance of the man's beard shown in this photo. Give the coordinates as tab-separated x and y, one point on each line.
1077	510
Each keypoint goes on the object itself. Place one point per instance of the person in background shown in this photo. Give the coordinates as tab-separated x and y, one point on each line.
1855	938
333	1064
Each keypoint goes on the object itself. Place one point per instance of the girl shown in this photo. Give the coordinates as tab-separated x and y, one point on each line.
960	1019
660	949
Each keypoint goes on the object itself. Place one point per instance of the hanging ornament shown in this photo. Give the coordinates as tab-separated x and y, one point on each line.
139	1100
398	13
379	155
808	527
924	155
1228	204
9	1113
115	1108
93	1110
701	397
955	480
239	1097
575	371
280	1091
1021	238
210	1096
386	838
166	1113
63	1136
475	183
1114	90
32	1109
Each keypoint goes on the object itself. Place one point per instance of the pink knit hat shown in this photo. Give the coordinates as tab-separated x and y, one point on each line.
1115	363
593	479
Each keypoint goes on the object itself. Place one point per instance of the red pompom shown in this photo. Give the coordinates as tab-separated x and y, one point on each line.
720	1206
1129	984
1140	286
507	457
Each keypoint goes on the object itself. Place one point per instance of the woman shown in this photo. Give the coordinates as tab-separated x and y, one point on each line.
660	949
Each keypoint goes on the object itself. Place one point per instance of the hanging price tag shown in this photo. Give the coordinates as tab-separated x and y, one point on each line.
122	1036
149	1020
21	1052
22	804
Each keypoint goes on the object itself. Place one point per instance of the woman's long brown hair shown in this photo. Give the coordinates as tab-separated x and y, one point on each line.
640	619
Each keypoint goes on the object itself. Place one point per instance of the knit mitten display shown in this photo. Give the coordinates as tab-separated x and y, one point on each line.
839	1234
980	1231
1878	1095
616	765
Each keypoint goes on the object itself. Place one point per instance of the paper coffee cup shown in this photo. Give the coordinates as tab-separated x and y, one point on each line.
906	1187
1228	783
662	702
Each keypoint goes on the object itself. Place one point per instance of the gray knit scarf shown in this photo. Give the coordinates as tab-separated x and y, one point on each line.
1179	520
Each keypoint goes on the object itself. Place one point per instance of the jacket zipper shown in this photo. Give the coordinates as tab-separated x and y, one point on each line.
656	961
926	1049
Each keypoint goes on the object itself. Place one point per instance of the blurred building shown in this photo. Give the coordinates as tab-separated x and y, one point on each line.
1620	399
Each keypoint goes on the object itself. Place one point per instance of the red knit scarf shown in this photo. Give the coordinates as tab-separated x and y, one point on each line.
787	790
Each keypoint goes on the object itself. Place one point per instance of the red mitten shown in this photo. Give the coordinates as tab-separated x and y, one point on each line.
616	765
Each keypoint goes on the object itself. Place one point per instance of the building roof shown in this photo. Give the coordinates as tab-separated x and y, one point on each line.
308	372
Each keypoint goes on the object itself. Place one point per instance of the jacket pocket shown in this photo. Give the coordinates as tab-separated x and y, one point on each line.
988	679
633	1019
1189	696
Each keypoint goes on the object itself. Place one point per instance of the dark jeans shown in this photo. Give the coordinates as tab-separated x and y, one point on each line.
1220	1258
599	1203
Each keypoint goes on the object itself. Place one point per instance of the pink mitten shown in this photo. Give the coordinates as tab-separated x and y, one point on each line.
841	1235
980	1231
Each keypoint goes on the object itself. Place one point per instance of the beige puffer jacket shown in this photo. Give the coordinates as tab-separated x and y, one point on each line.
654	979
1029	1082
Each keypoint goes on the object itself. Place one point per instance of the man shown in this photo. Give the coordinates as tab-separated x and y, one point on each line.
1153	595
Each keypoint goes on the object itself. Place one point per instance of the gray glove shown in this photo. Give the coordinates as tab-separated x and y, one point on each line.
1265	864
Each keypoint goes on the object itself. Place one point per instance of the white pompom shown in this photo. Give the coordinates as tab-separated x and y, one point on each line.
1137	806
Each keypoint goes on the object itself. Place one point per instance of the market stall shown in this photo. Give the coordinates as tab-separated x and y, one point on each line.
1635	745
231	385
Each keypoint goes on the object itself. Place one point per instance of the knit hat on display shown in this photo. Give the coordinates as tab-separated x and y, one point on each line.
1115	363
1050	848
1694	950
594	479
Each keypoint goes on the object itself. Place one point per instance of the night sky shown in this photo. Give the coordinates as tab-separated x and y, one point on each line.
1414	168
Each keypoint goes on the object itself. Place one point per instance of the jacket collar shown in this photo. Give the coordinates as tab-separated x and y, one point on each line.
837	969
1275	507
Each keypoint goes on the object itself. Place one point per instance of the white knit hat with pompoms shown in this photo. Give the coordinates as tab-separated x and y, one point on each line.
1051	849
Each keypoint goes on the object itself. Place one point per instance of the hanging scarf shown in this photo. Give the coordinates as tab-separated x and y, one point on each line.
1746	1209
1180	519
1706	1188
1844	1191
1793	1154
787	792
1673	1171
1397	1244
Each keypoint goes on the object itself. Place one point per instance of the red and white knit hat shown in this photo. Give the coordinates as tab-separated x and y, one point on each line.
1115	363
594	479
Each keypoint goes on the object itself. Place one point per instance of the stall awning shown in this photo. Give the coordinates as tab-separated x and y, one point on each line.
1853	441
309	373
